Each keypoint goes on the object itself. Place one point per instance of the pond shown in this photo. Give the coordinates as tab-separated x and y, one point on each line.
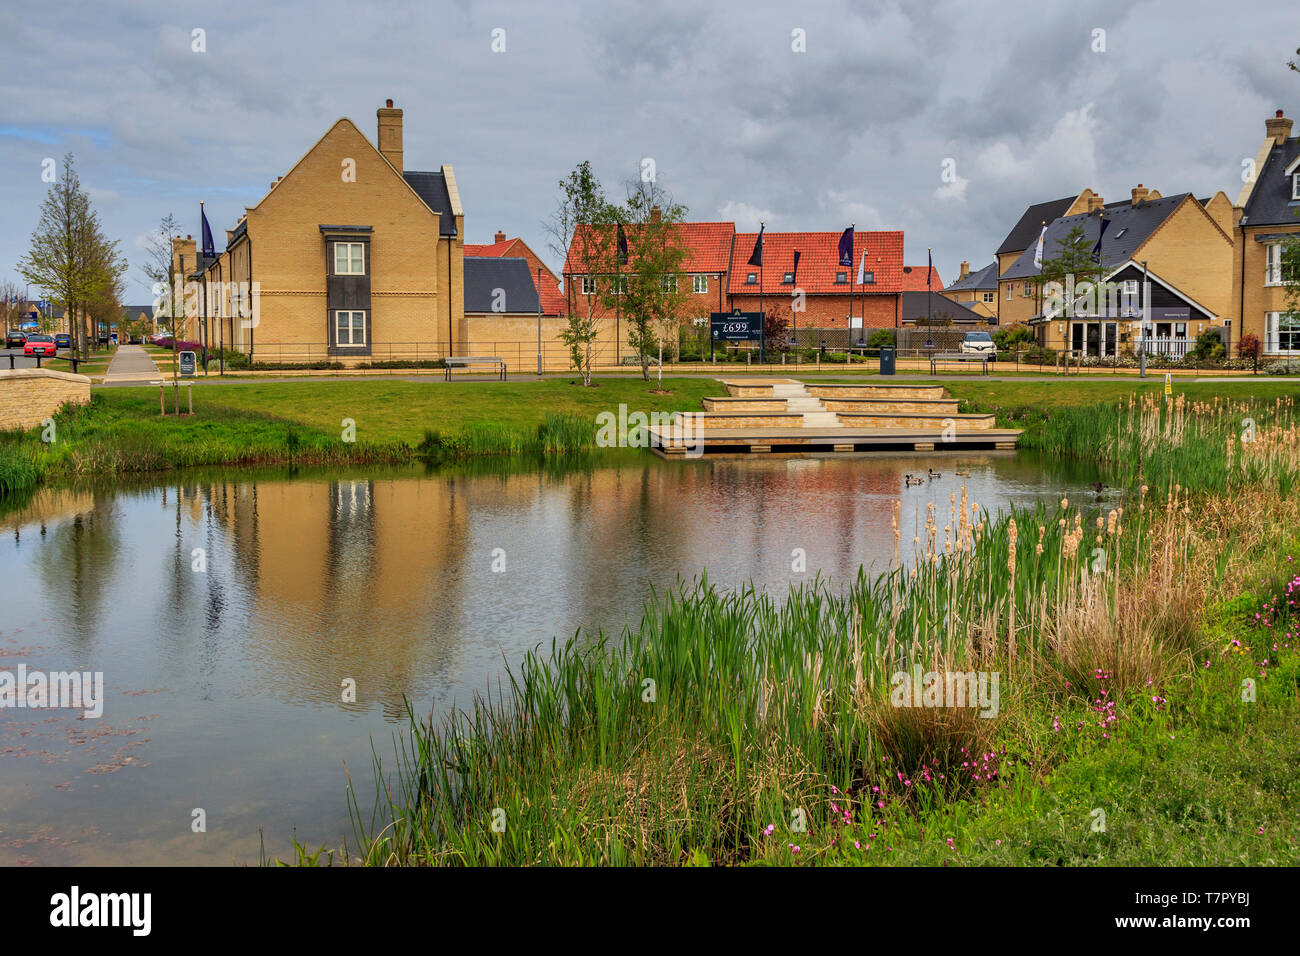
230	613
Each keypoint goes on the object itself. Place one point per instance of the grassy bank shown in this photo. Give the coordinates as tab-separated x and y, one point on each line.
731	728
121	431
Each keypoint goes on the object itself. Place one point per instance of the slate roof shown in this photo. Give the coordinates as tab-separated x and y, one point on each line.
819	261
432	188
1025	232
134	310
914	307
552	297
986	278
1270	202
914	279
483	276
1130	226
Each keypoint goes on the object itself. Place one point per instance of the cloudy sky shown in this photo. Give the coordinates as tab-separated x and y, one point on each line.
1028	100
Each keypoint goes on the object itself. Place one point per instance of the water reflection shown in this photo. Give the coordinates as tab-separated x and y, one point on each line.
227	612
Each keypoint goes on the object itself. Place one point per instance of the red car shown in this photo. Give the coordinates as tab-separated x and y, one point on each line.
40	345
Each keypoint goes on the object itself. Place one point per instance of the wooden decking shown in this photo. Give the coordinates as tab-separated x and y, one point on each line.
782	416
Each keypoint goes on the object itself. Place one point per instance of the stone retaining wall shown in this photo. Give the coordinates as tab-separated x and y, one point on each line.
28	396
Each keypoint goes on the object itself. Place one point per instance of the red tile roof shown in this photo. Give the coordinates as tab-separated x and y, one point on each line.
550	294
496	249
914	279
819	261
708	247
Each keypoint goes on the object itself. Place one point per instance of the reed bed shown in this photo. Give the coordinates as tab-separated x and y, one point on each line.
708	727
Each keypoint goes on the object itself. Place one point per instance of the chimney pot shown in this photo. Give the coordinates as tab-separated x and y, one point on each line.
500	236
1278	128
388	104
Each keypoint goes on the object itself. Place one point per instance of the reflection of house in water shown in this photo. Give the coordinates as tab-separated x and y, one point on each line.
346	576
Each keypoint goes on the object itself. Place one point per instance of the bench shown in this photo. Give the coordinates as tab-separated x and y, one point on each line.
468	361
984	359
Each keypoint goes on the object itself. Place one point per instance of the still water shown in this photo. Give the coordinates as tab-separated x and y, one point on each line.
226	613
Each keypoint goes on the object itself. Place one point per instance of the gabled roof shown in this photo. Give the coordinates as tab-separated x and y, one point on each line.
134	310
1132	269
484	276
914	279
1025	232
432	188
552	297
1270	202
1130	226
819	261
986	278
915	307
708	247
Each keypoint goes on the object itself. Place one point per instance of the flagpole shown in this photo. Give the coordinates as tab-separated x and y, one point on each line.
928	303
762	341
853	244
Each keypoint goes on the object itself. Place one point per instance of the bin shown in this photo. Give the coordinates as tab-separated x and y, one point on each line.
887	354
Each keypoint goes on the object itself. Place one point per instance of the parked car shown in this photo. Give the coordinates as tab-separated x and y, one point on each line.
39	345
978	343
113	337
14	339
62	340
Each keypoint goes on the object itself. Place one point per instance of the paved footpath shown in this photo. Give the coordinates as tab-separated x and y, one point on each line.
131	365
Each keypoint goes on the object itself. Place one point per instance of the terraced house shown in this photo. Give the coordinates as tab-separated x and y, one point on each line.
816	293
354	257
1268	210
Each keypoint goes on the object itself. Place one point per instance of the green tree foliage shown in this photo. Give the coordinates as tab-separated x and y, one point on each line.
655	291
70	257
582	231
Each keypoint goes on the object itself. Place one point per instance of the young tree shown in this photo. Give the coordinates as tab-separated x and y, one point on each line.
159	267
582	232
655	296
69	256
11	304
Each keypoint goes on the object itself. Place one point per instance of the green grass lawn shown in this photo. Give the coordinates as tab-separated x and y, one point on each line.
400	411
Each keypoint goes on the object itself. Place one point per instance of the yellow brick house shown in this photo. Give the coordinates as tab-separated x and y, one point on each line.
350	257
1268	210
1170	254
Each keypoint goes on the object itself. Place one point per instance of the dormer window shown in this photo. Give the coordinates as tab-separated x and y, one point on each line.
1295	186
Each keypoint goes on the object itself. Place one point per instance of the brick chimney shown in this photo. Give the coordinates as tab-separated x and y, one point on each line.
499	237
1140	194
1095	202
654	213
390	134
1277	128
965	269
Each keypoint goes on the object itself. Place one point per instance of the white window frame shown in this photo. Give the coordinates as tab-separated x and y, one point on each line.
351	314
1295	185
990	298
1011	290
1272	335
1273	263
619	285
588	285
1130	287
700	284
360	247
668	283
